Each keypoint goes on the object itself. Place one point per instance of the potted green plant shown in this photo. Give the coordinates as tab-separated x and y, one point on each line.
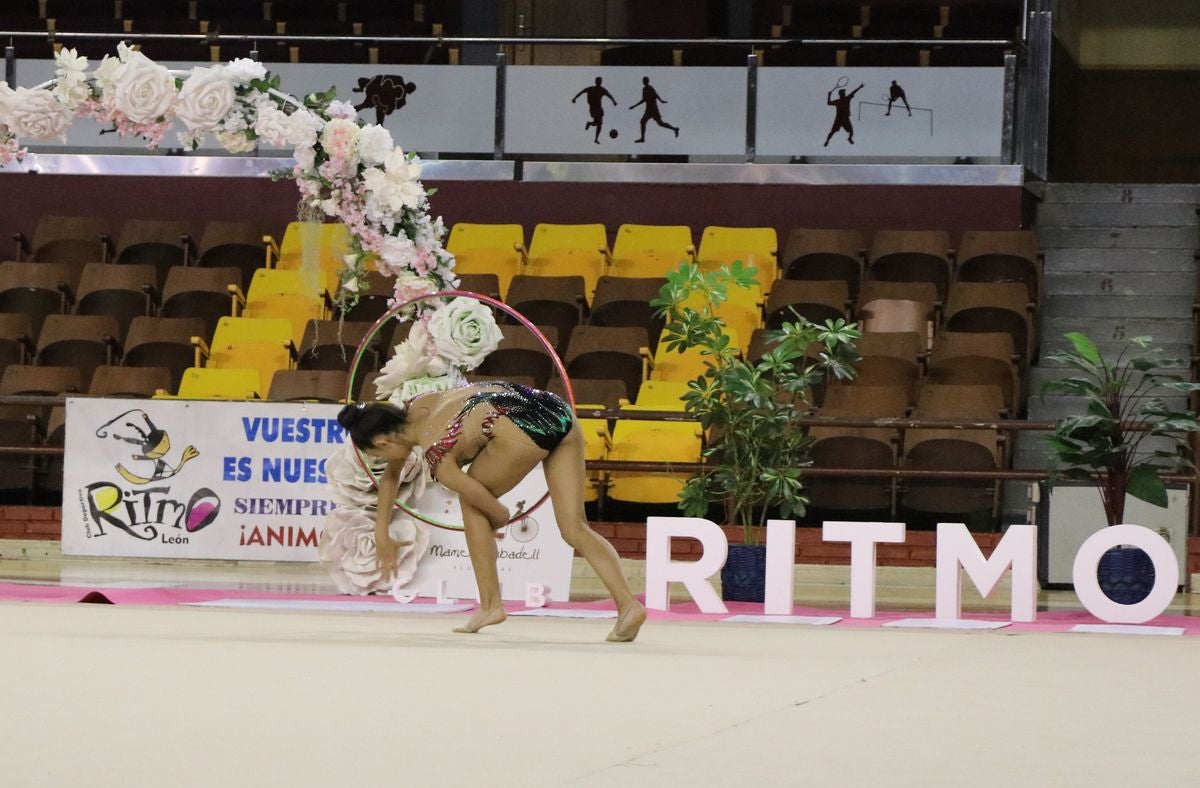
755	449
1125	406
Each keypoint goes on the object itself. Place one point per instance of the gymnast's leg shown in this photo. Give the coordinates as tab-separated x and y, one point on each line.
565	475
499	467
481	542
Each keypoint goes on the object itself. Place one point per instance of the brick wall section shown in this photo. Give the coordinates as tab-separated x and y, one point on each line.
30	522
919	548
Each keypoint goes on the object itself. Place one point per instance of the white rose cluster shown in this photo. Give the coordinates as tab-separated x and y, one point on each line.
393	188
205	98
34	113
464	332
144	91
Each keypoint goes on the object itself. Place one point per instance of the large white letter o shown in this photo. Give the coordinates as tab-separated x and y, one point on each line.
1087	587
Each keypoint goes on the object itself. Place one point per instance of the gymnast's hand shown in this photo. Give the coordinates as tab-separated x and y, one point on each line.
386	552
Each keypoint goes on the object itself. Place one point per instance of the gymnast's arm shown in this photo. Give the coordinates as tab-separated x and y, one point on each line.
389	485
471	491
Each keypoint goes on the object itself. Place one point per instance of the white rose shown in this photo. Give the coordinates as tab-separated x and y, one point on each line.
243	71
37	114
271	126
303	127
374	144
347	549
339	138
409	361
145	90
464	332
306	157
205	98
235	142
396	253
350	285
341	109
410	286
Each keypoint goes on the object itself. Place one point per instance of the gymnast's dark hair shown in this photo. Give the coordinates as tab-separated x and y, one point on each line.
366	421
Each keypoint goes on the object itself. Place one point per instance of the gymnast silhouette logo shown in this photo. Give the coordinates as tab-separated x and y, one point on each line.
651	100
134	426
147	510
386	93
841	105
595	95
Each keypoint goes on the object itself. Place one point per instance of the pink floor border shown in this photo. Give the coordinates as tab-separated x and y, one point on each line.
1048	621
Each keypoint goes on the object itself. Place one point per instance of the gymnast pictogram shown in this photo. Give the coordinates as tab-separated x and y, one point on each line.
154	445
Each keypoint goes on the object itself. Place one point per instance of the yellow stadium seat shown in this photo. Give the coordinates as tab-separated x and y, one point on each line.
550	237
589	264
757	247
209	383
662	394
657	441
263	344
231	330
273	281
741	311
329	240
688	365
570	250
297	309
596	442
650	250
488	249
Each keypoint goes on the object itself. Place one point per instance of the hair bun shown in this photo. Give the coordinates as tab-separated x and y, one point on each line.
349	415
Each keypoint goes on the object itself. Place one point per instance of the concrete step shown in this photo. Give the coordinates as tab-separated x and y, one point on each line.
1122	193
1177	351
1110	333
1090	214
1051	237
1111	260
1120	307
1121	284
1042	373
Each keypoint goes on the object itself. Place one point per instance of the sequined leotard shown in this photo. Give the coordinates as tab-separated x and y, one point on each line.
543	416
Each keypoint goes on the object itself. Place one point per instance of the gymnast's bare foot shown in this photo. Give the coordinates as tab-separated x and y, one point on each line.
484	617
629	622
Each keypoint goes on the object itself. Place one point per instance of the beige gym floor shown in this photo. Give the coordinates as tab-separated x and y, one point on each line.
97	695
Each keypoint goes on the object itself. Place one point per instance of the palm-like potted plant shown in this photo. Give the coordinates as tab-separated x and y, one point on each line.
755	449
1103	446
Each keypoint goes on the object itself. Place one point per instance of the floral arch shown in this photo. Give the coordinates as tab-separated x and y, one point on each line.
346	170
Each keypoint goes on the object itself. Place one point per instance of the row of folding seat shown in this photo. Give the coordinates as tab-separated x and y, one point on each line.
980	449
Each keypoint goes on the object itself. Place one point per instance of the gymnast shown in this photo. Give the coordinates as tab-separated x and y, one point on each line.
503	430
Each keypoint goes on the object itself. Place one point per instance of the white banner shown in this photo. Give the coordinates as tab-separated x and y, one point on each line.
607	110
246	481
886	111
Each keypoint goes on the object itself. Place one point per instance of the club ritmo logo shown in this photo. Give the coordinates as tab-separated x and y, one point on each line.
146	507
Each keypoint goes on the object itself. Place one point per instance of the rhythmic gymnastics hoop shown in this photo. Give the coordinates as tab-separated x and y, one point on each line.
369	338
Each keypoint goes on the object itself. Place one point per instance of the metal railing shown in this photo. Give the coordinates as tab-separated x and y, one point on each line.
1026	69
899	473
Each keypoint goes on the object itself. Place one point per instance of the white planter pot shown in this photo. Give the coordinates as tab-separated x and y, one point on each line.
1071	513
